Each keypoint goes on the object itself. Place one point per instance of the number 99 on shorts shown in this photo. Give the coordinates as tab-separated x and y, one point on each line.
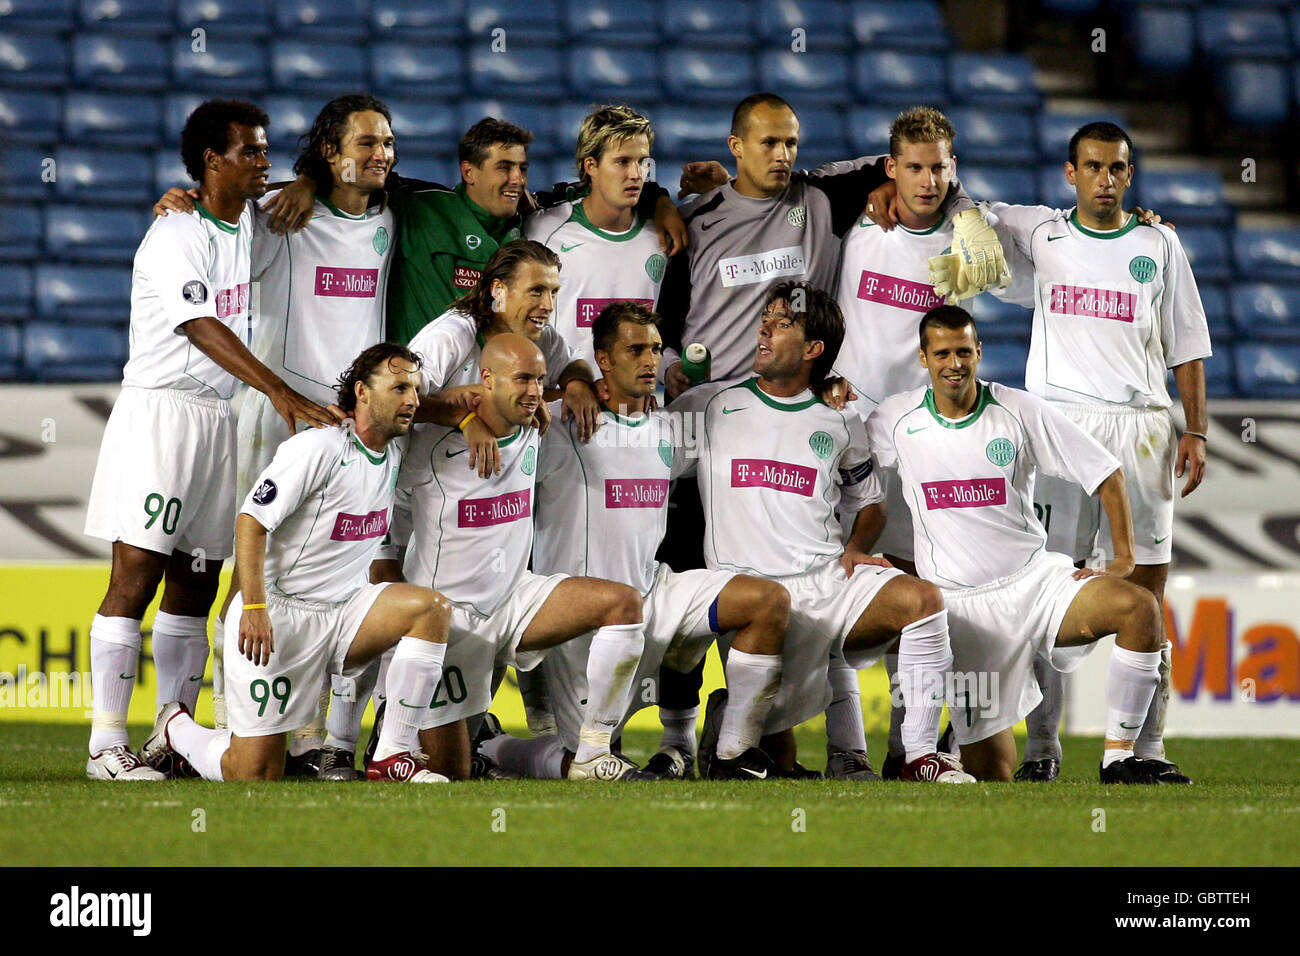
262	693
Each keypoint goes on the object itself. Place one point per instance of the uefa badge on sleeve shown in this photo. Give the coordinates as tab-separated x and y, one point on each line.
265	493
194	292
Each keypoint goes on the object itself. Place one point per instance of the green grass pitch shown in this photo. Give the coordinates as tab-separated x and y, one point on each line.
1243	811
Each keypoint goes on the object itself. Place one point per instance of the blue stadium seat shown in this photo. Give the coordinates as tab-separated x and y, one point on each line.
1071	8
1255	92
169	171
146	17
1004	362
1001	321
868	128
11	352
1220	373
432	168
822	129
27	61
915	25
993	79
1010	184
538	118
228	64
1053	188
1192	196
247	19
1267	311
420	124
532	21
1164	38
1218	315
1055	129
612	72
416	69
16	280
54	352
335	19
806	78
1268	371
113	119
177	108
902	79
120	62
84	293
21	230
29	117
107	175
417	19
25	174
1207	251
1268	255
824	24
93	233
713	23
302	66
291	117
1222	32
994	136
613	22
692	132
534	72
696	75
32	16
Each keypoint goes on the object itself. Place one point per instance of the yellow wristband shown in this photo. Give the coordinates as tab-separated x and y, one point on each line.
466	420
254	607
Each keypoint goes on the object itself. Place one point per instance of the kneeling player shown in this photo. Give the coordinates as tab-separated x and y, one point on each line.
967	452
306	535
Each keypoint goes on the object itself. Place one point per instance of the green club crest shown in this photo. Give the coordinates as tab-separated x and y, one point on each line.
1142	268
822	444
654	267
665	453
1000	451
381	240
797	216
529	464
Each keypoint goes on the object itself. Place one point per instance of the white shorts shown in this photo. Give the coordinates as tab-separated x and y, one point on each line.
1144	441
165	480
476	645
311	640
996	630
824	606
897	538
259	433
679	629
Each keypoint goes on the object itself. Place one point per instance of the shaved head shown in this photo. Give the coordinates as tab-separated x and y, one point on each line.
508	350
514	373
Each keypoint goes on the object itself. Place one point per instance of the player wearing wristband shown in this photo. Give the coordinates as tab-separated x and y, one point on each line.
163	491
1115	309
967	452
306	535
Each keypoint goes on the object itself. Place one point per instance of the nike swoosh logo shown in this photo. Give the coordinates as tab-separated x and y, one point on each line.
111	774
1159	540
200	677
913	431
564	248
706	226
1054	238
402	701
1127	727
344	464
126	676
728	411
453	454
755	774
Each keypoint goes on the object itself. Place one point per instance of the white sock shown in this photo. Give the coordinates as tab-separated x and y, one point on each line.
1151	741
1044	721
541	758
1131	679
348	700
679	728
312	737
537	701
897	712
219	674
924	661
381	682
114	659
752	683
413	675
180	655
202	747
611	665
844	728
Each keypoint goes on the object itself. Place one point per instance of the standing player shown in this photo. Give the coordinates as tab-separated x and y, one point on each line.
967	452
605	249
164	484
471	539
1115	308
601	511
306	608
775	455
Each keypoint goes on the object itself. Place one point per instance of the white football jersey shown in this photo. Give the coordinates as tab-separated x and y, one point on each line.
451	346
596	268
1113	311
772	474
970	483
602	507
327	501
189	266
322	295
470	536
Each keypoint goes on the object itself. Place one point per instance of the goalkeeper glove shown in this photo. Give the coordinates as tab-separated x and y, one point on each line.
983	263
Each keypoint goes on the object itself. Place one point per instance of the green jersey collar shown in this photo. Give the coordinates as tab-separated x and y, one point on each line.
1111	234
943	217
220	223
985	399
339	212
502	442
796	404
492	225
579	215
624	420
370	455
